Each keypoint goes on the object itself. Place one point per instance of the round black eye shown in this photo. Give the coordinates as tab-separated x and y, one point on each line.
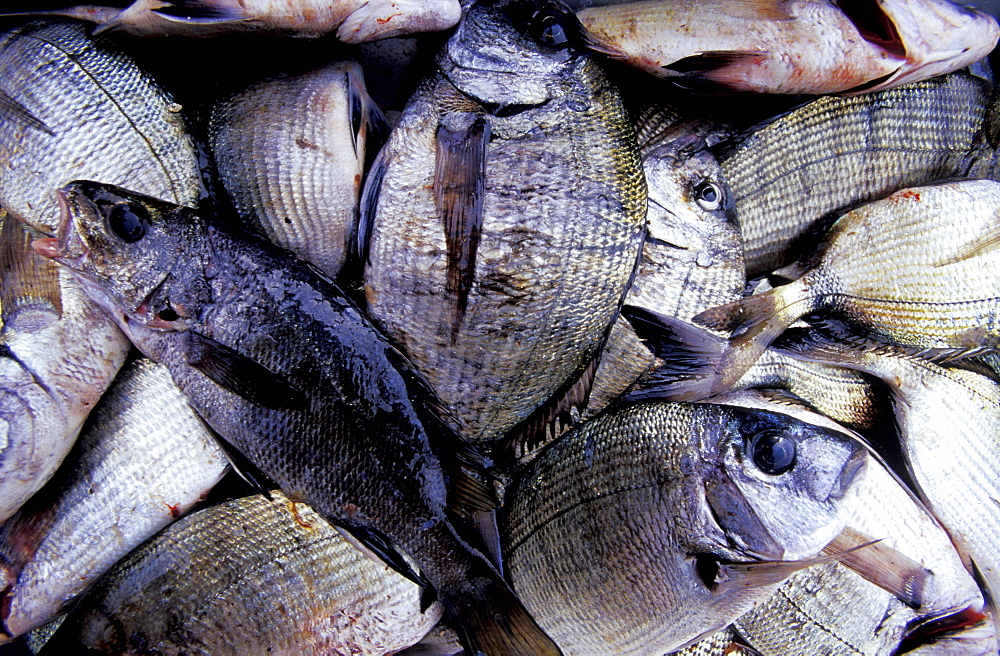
548	29
128	222
708	195
772	452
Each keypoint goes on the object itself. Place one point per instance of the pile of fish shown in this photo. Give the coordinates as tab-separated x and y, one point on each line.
488	341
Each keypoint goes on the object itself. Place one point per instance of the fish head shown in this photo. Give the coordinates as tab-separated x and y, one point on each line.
687	192
122	246
778	488
509	52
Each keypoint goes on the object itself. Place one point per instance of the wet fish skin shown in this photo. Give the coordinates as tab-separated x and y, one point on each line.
948	423
245	576
848	151
829	609
610	535
940	291
107	121
143	459
291	152
691	260
797	46
278	362
511	303
354	21
58	352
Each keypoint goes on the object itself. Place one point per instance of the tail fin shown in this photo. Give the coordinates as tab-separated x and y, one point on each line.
491	620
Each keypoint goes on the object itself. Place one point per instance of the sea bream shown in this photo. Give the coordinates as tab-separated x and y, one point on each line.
505	216
281	365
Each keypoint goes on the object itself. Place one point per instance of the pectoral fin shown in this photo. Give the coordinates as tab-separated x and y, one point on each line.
14	111
882	565
459	188
241	375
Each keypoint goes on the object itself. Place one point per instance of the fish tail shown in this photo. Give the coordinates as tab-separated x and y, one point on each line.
753	323
491	620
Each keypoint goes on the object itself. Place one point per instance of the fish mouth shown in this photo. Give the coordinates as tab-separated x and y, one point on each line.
67	245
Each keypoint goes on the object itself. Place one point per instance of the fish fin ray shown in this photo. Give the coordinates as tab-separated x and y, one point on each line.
365	116
384	550
720	66
459	190
241	375
14	111
25	276
759	573
688	356
883	566
986	243
368	207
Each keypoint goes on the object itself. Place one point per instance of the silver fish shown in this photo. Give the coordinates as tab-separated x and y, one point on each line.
290	152
58	353
104	119
657	522
251	575
143	459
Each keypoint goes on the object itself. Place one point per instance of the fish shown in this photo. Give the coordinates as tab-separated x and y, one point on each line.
502	221
143	459
790	177
938	37
834	608
691	260
917	268
285	369
353	21
249	575
58	353
948	423
790	46
659	522
105	120
290	152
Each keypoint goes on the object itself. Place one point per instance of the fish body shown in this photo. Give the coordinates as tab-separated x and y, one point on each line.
291	152
143	459
354	21
248	576
918	268
820	160
627	535
949	420
505	216
104	119
58	352
796	46
281	365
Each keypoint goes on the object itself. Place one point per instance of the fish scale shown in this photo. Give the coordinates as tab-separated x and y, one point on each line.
849	151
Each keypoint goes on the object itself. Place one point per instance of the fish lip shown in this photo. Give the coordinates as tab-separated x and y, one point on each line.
70	245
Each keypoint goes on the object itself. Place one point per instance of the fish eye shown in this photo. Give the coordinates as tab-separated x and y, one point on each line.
708	195
548	29
772	452
128	222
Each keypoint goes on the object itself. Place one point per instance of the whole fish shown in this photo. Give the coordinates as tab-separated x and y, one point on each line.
143	459
692	258
505	216
833	154
291	152
354	21
949	423
795	46
281	365
656	522
251	575
918	268
58	353
102	118
830	609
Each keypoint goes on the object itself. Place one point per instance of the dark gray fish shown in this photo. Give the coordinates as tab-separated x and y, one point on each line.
506	216
251	575
281	365
657	522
